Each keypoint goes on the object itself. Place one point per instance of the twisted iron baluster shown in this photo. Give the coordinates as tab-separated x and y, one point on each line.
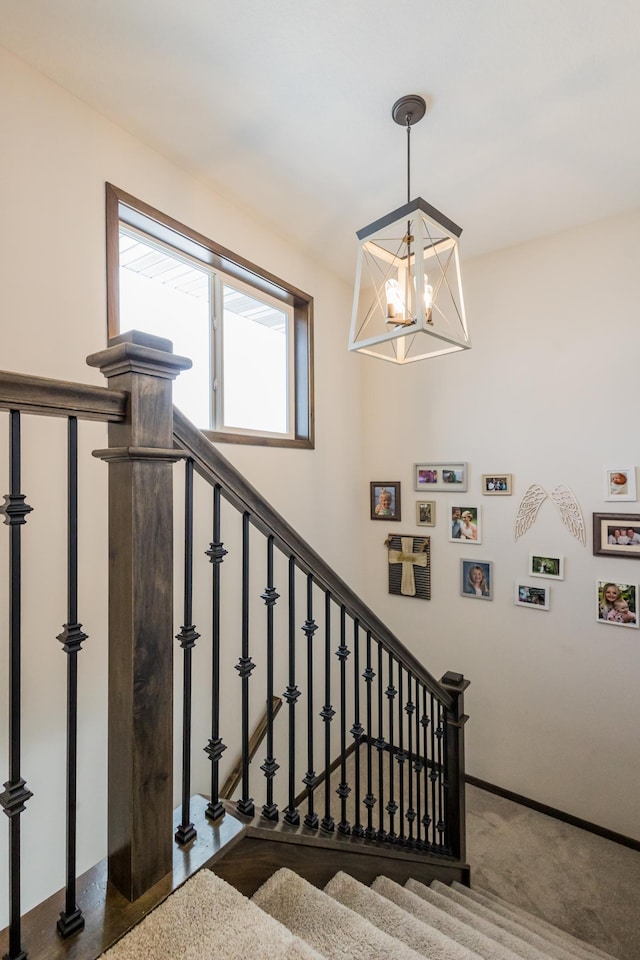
72	637
245	666
369	800
269	767
310	779
291	695
15	795
215	748
344	789
187	637
328	713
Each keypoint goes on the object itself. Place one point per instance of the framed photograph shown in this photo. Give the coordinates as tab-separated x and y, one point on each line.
450	477
617	603
616	535
464	525
620	484
476	579
496	484
543	566
534	597
385	499
426	513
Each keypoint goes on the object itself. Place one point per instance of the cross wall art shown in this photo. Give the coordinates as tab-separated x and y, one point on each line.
409	566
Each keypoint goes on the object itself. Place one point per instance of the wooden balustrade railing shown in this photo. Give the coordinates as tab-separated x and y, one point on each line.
358	702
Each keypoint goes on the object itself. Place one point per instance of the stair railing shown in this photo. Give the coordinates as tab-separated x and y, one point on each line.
357	700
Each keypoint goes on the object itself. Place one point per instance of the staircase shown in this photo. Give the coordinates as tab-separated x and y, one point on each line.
289	917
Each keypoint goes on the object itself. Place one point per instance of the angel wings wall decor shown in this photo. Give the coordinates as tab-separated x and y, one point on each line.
565	501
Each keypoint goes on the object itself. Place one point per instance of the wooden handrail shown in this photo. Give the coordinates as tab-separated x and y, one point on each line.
61	398
216	469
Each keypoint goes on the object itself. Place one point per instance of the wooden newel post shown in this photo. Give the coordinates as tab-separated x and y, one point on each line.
455	684
140	458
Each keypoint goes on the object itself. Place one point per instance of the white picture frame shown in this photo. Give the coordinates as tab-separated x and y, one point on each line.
534	596
546	565
465	524
620	484
606	612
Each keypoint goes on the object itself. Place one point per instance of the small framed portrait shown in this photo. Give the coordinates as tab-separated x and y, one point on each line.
531	595
617	603
464	525
543	566
616	535
450	477
476	579
426	513
496	484
385	500
620	483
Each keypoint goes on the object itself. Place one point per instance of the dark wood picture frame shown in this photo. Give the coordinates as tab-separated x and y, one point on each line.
384	509
605	525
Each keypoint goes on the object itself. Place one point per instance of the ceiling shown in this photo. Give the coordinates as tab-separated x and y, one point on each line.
285	106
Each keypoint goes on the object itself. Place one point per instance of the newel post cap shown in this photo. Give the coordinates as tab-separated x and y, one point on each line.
136	352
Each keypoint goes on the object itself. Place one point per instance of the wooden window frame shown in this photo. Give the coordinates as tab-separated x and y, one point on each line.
122	208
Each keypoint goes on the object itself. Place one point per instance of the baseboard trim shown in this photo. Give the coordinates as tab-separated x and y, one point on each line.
552	812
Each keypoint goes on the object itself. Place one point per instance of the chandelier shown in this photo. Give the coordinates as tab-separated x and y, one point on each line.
408	302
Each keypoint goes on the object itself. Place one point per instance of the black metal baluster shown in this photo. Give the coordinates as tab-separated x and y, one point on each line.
357	729
440	826
15	795
215	748
392	806
369	800
380	745
269	767
72	637
401	755
309	628
245	667
187	637
418	767
433	776
327	713
445	783
344	789
410	710
291	695
424	722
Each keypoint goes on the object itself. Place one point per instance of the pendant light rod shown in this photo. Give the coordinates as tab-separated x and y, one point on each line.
406	111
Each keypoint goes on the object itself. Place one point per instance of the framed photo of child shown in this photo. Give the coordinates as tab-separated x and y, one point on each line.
620	483
476	579
617	603
384	499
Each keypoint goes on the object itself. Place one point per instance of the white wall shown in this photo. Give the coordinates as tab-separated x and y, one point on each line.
549	393
56	156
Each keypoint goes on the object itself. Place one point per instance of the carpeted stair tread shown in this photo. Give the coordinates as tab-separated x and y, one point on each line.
394	920
537	923
207	919
511	926
468	936
520	947
329	927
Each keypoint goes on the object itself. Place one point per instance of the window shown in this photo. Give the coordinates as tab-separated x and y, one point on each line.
248	334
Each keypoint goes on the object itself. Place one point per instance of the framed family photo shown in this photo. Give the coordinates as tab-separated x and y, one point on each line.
476	579
540	565
532	596
449	477
496	484
616	535
426	513
617	603
385	499
464	525
620	483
